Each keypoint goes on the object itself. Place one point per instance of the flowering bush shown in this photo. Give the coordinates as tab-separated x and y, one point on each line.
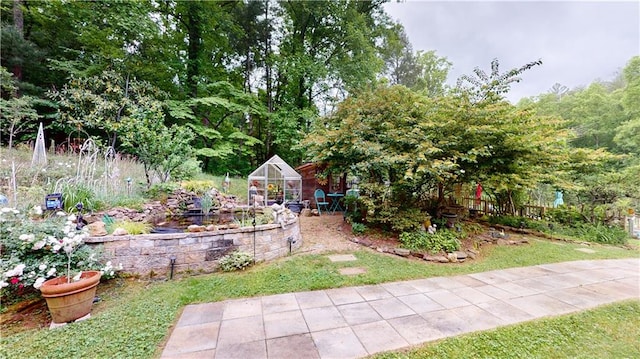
35	249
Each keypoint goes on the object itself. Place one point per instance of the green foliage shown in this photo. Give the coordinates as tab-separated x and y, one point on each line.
199	187
35	249
565	215
74	193
492	86
188	169
206	203
358	228
130	226
235	261
597	233
161	149
571	224
161	191
442	240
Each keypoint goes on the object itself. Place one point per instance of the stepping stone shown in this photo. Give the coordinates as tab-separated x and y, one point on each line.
352	271
585	250
342	258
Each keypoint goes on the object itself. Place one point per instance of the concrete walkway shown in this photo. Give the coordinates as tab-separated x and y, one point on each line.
355	322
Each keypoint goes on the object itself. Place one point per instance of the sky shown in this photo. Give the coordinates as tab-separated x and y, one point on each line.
578	41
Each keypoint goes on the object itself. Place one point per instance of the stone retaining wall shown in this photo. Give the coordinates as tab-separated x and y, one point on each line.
148	255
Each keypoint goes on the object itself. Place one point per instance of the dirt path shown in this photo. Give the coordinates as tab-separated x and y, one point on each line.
326	233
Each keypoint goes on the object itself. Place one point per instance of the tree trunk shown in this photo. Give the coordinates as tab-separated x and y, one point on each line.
195	36
18	23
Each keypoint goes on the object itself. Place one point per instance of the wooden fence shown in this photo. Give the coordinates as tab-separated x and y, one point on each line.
483	206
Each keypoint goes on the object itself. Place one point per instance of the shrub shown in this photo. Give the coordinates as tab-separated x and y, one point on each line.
162	190
74	193
597	233
131	227
35	249
187	170
198	187
358	228
235	261
442	240
565	215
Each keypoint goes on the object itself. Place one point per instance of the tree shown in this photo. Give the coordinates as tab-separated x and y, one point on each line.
161	149
17	114
492	86
419	143
96	105
421	71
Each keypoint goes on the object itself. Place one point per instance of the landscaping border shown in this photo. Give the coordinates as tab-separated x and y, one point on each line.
149	255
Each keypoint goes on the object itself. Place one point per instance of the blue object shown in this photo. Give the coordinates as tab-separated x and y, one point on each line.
558	201
321	200
3	199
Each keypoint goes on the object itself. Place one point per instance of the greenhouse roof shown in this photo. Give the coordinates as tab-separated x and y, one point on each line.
278	164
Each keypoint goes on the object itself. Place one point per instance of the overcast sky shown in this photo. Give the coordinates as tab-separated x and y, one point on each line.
578	41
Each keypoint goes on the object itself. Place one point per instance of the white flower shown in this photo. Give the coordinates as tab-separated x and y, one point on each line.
56	248
27	237
3	284
38	283
60	214
37	210
6	209
42	267
71	218
15	271
39	245
51	272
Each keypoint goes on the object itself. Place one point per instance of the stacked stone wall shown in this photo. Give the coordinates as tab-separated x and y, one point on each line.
149	255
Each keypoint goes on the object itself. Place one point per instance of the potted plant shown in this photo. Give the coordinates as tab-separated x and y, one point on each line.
48	253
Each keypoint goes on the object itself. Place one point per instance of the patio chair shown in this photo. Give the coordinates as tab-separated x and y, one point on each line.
320	200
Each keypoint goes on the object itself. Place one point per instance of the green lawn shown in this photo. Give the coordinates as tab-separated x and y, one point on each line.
610	331
134	319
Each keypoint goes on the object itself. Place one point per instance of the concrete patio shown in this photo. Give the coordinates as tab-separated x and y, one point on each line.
354	322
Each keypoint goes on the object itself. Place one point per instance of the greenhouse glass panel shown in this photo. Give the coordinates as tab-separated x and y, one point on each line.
274	182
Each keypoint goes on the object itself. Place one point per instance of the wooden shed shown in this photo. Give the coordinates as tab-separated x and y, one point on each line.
310	181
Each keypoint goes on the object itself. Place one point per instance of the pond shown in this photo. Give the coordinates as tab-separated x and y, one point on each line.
236	218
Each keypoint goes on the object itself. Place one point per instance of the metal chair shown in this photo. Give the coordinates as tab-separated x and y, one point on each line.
321	200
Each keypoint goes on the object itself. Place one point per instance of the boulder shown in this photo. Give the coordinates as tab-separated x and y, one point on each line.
97	229
403	252
195	228
120	232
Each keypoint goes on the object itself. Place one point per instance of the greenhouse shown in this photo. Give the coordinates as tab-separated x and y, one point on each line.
274	182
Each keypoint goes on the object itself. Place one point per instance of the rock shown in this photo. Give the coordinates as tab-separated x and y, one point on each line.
452	257
502	242
233	225
120	232
432	258
460	255
97	229
211	228
403	252
195	228
305	212
471	254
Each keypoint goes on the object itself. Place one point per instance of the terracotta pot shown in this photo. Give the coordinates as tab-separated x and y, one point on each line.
70	301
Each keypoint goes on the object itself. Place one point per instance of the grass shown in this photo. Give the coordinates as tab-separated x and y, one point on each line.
134	319
609	331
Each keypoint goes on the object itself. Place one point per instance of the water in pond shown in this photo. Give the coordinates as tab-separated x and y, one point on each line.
177	224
